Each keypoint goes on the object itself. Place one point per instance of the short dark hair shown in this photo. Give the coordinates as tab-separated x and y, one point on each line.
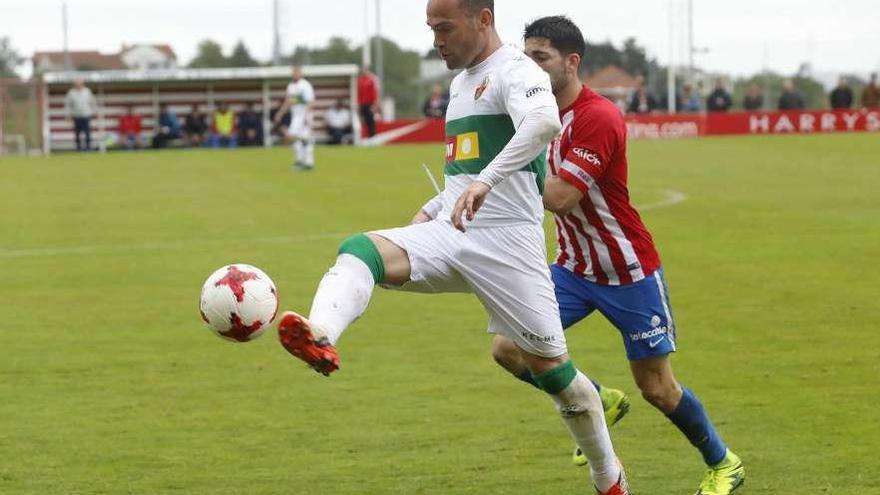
476	6
563	34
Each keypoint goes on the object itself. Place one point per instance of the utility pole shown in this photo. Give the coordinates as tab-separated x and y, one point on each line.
276	40
365	51
691	48
670	69
68	64
380	55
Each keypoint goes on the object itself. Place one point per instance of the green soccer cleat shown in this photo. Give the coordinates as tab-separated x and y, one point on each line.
615	403
724	477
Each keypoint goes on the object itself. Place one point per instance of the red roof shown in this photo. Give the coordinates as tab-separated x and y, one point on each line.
88	59
611	77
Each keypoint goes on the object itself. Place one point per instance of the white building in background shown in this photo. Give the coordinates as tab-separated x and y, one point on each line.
148	57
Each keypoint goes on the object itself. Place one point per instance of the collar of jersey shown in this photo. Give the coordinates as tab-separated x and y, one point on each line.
482	65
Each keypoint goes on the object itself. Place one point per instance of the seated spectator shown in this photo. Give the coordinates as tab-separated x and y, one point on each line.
223	128
338	119
689	99
195	127
168	129
871	93
130	129
250	127
642	100
279	131
790	99
754	99
435	105
719	99
842	96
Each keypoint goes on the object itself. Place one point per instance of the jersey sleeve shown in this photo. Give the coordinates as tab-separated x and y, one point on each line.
593	146
308	93
527	88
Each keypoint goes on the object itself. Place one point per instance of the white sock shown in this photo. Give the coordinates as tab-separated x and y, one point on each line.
310	153
298	153
342	296
581	410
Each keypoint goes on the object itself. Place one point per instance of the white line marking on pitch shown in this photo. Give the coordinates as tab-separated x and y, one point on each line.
672	198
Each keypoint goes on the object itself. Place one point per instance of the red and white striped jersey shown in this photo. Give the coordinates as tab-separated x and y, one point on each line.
602	239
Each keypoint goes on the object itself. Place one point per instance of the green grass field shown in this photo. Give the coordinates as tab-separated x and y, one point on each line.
111	384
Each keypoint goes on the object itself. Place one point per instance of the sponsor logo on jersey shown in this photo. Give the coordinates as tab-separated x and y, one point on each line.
587	156
463	147
481	88
533	91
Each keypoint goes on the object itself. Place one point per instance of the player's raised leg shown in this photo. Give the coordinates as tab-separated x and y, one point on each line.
659	387
342	297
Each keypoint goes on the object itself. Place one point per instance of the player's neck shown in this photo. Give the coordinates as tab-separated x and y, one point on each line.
491	47
569	94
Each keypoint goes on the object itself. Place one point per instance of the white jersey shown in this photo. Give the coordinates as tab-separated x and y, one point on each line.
487	104
301	93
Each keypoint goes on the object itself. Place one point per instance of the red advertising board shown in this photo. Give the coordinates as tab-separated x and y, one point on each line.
662	126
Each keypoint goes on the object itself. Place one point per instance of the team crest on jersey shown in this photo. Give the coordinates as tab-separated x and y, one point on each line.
463	147
481	88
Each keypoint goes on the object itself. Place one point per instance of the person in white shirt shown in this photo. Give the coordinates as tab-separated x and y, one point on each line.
80	105
300	100
338	119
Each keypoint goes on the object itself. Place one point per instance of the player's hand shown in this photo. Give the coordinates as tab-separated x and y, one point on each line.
421	217
470	201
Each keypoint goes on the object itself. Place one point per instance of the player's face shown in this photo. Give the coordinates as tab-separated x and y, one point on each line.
457	34
551	60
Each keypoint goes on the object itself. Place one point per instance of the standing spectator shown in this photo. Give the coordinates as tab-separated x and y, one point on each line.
842	96
690	99
224	127
642	100
250	127
130	129
368	98
871	93
790	99
195	127
435	105
719	99
338	119
169	127
80	105
754	99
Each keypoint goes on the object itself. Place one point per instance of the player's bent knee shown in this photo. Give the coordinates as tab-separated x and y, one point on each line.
361	247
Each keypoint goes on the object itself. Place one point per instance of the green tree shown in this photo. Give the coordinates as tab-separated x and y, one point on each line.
9	58
209	54
241	57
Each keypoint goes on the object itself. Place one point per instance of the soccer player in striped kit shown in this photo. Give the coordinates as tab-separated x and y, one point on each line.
606	257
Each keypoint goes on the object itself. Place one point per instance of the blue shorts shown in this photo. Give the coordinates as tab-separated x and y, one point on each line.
641	310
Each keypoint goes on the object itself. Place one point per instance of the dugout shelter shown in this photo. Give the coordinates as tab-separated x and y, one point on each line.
180	89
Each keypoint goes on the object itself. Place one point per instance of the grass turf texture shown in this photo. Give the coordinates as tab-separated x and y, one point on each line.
110	384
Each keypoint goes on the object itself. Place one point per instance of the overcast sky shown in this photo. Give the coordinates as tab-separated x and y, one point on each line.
741	37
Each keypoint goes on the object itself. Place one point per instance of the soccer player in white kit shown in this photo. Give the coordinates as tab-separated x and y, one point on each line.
488	238
299	99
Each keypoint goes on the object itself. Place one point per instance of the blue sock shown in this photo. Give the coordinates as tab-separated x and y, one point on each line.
690	417
526	376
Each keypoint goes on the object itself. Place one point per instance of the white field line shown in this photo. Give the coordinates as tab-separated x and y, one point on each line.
672	198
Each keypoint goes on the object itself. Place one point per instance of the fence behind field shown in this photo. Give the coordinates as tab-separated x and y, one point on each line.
19	116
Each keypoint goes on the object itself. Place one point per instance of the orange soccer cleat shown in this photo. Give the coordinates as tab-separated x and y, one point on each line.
298	336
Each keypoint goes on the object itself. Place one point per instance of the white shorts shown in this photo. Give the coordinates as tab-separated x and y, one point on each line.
300	127
506	267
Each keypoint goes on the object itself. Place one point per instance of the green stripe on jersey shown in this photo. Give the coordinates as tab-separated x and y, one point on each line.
493	133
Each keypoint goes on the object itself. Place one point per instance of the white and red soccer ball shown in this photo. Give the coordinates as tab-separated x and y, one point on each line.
239	302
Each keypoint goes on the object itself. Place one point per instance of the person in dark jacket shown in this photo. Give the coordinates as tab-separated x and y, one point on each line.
842	96
791	98
169	128
719	99
642	100
754	99
250	127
